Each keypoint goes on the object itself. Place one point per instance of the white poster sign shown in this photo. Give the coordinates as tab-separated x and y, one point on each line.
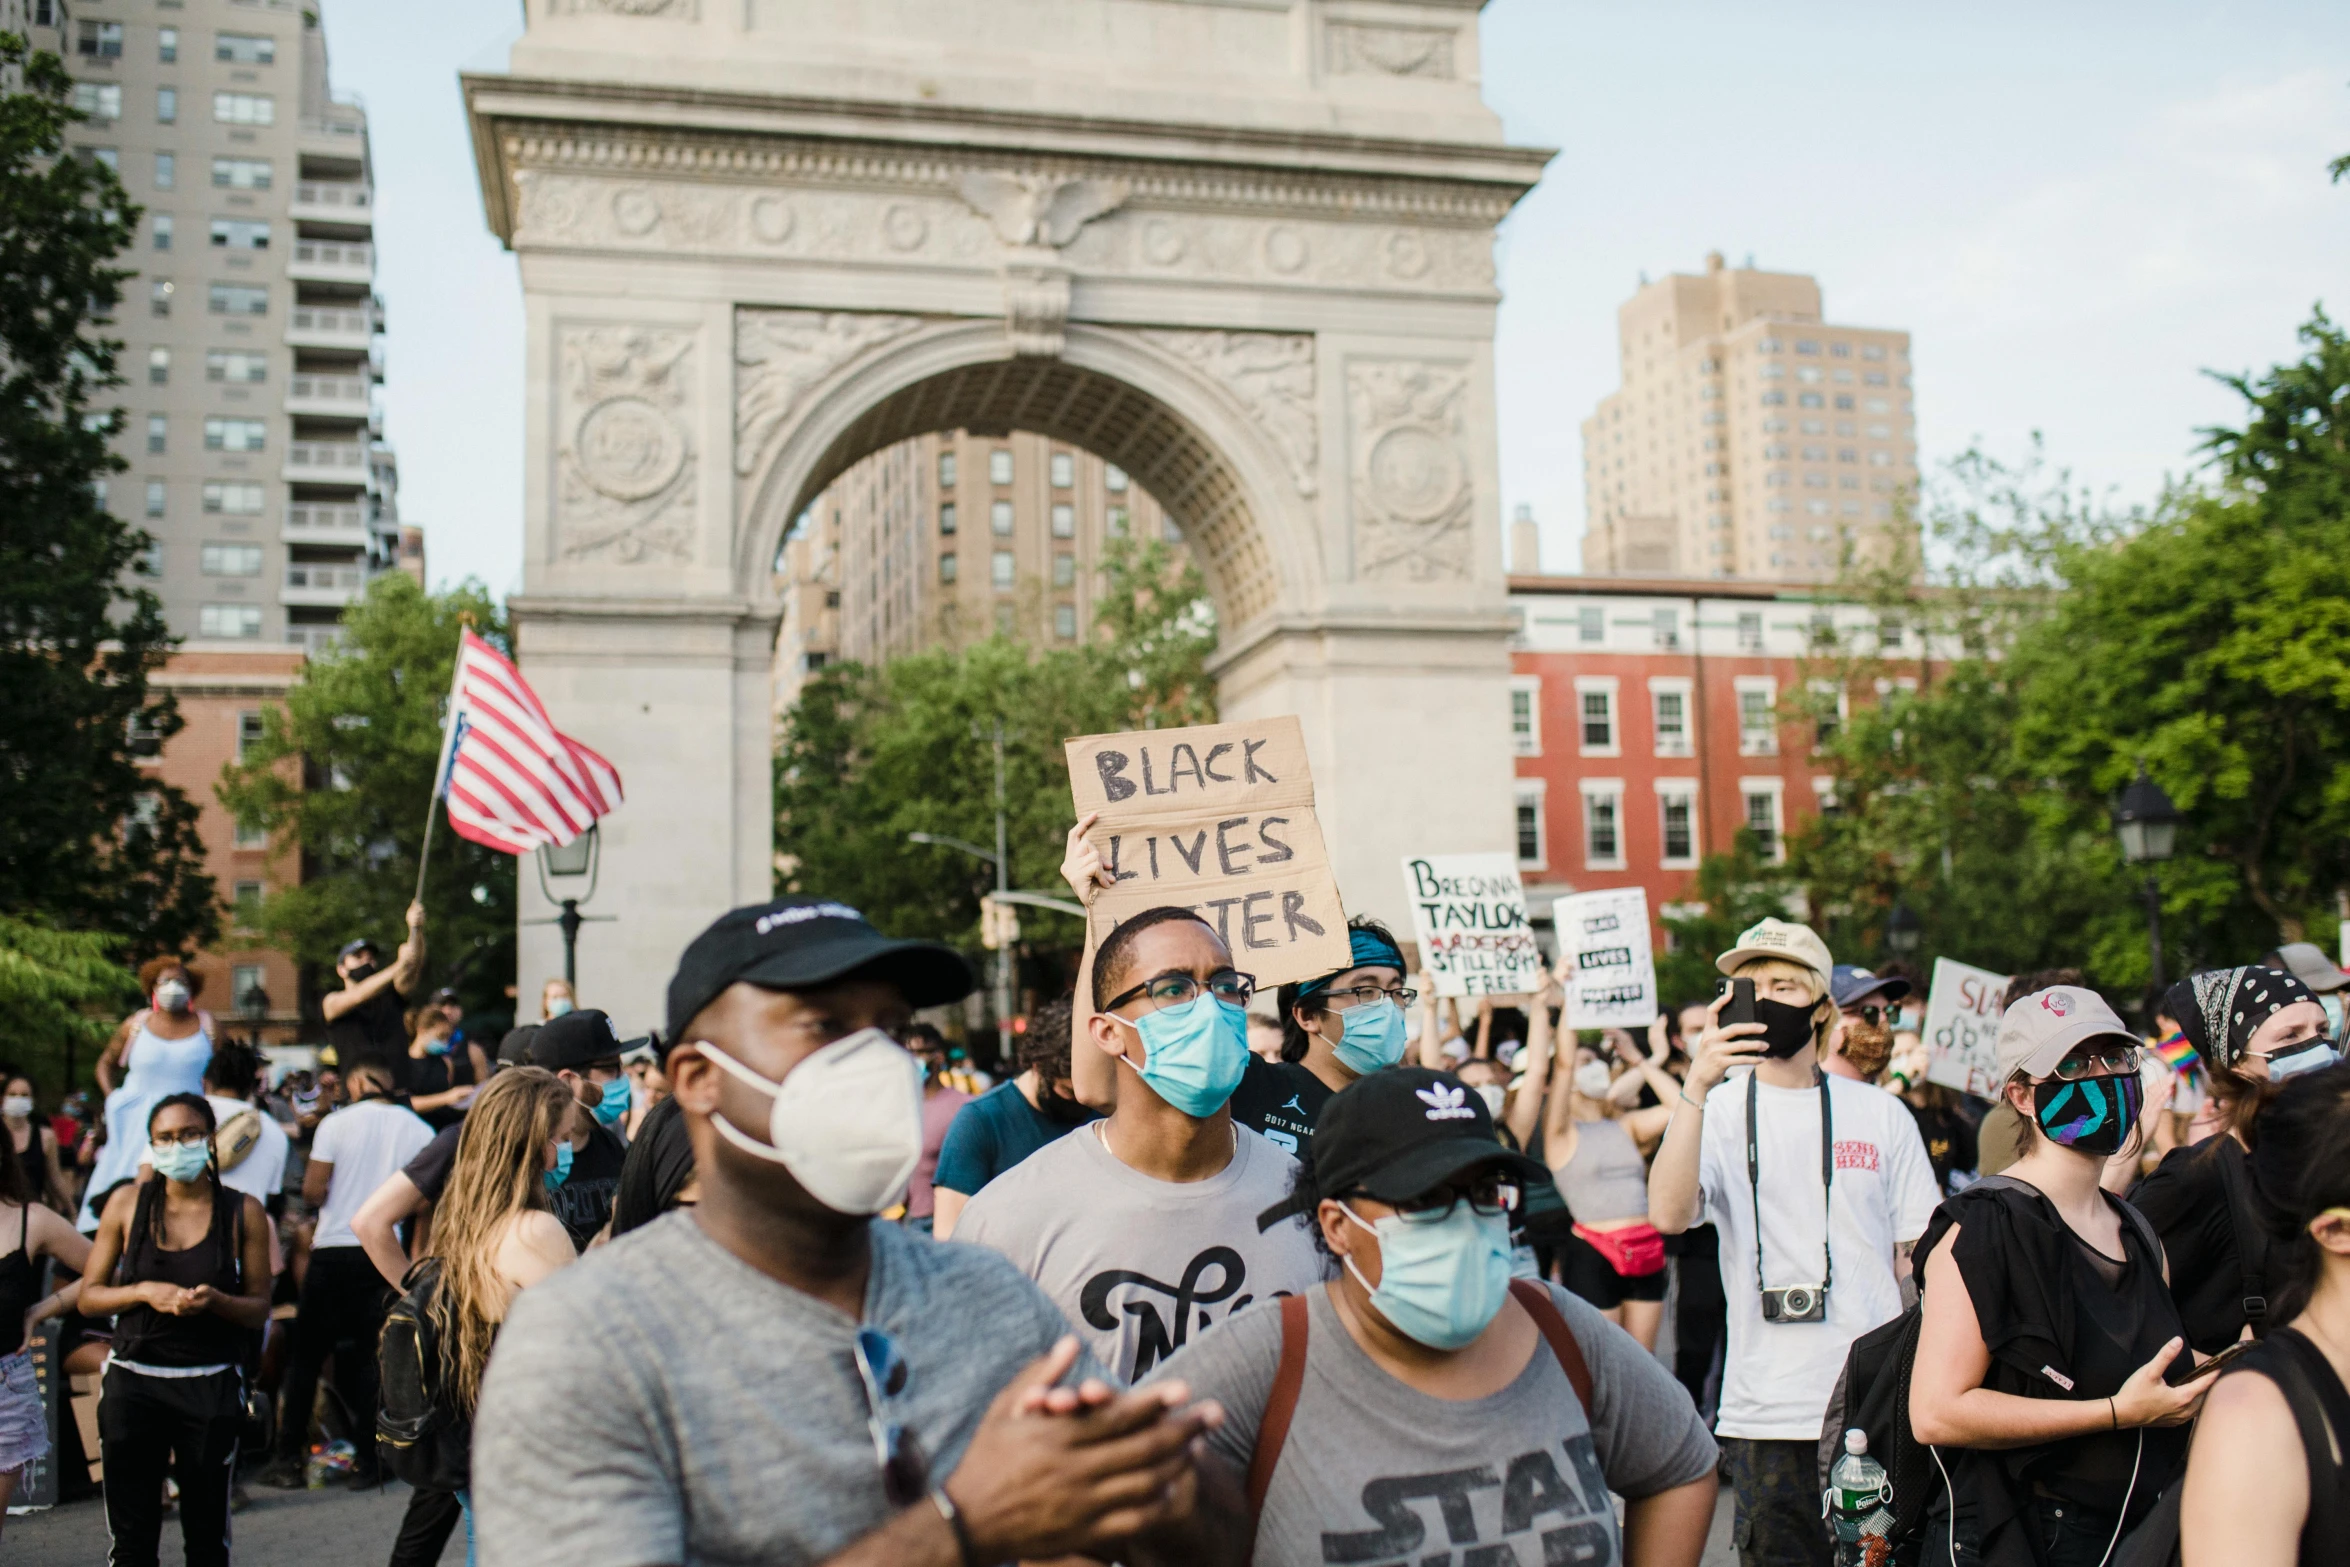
1962	1028
1469	913
1609	962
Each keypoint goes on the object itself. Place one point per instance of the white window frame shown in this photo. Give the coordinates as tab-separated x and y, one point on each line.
1610	790
1776	788
1685	791
1061	469
1533	792
1600	685
1685	688
1823	793
1527	742
1751	741
1843	695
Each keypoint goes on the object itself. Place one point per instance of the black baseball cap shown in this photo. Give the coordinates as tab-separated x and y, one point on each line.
1399	1134
514	1049
797	943
363	944
569	1042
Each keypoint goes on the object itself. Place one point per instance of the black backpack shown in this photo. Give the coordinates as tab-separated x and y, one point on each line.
422	1438
1872	1394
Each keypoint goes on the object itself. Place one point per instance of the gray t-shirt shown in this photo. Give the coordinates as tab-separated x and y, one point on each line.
663	1402
1141	1265
1375	1471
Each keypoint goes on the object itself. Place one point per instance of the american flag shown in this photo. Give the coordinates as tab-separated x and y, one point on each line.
512	780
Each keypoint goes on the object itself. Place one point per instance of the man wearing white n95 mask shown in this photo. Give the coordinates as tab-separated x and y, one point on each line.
772	1376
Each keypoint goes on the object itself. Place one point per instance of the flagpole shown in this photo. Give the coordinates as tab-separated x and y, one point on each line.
440	769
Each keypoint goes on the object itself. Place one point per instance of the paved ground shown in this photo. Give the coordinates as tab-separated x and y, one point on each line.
340	1528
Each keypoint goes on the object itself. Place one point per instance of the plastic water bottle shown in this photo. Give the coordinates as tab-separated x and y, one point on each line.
1859	1505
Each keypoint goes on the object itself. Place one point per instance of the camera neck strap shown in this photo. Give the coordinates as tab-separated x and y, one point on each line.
1827	1177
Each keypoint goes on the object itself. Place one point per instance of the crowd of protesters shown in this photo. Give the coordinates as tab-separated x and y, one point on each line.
1368	1275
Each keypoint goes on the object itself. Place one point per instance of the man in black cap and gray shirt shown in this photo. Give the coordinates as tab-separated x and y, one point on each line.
772	1376
583	1049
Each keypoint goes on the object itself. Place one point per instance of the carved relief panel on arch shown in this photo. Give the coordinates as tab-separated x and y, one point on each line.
1414	494
625	459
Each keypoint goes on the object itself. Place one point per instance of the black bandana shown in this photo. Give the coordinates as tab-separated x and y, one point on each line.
2219	1009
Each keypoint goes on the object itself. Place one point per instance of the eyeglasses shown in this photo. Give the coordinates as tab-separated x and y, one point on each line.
182	1138
905	1468
1175	990
1365	995
1490	1196
2105	1058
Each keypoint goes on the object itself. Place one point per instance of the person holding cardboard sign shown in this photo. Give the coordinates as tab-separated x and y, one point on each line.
1142	1226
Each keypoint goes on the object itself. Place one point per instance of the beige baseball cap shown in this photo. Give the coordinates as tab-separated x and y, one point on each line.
2044	1027
1785	940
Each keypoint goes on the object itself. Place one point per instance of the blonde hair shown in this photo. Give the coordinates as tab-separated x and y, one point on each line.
500	1159
1784	968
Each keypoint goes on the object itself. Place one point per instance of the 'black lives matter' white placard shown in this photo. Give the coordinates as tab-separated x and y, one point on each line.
1609	961
1218	818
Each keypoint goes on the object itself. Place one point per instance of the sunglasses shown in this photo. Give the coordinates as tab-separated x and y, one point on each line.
905	1468
1871	1015
2105	1058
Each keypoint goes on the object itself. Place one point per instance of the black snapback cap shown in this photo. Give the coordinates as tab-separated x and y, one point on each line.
1399	1134
572	1041
797	943
514	1049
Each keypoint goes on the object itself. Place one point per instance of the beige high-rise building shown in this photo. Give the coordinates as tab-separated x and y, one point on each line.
949	539
1750	438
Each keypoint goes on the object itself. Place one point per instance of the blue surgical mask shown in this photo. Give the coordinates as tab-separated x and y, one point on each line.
614	1104
436	1047
562	1171
1196	1053
558	1008
1373	1040
1441	1279
179	1161
2333	1006
2308	1056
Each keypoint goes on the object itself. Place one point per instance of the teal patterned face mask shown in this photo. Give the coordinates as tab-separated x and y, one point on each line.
2092	1114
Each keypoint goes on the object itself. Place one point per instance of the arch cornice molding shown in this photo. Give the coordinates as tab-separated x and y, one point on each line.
1255	522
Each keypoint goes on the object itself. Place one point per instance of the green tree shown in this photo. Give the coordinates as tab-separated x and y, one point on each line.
62	992
345	771
870	755
1731	890
87	837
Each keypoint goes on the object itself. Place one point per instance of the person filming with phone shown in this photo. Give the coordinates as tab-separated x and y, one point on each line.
1818	1185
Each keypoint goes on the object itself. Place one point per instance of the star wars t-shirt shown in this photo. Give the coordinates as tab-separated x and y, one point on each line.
1375	1471
1280	1100
1143	1266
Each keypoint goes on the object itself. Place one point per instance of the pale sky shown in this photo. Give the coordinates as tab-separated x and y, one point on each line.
2074	209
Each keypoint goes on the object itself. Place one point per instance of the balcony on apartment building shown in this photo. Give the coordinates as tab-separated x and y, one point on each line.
332	261
326	462
348	327
312	585
313	639
330	396
340	133
335	524
333	201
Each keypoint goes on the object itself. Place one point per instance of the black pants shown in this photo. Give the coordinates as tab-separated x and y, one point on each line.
424	1533
1777	1489
1702	1316
342	1312
185	1427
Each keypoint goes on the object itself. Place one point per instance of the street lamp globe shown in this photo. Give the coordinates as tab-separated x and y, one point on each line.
569	859
2146	821
1903	930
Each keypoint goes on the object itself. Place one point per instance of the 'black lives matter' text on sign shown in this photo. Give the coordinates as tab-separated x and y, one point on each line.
1217	818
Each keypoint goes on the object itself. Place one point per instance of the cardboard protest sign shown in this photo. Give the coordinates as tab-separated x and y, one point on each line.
1217	818
1962	1028
1609	961
1469	912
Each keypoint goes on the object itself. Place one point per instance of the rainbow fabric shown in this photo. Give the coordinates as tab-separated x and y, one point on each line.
2174	1049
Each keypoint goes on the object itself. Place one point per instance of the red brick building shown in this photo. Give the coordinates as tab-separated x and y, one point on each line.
1653	719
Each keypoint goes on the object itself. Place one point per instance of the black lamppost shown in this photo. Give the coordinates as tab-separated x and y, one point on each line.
2148	825
1903	930
567	862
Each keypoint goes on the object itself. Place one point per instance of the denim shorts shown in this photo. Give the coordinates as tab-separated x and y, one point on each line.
24	1419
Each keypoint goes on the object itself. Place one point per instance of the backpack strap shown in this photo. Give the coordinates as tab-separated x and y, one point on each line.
1280	1403
2251	1243
1561	1339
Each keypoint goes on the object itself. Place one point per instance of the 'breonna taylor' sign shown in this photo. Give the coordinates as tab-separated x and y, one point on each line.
1469	913
1220	819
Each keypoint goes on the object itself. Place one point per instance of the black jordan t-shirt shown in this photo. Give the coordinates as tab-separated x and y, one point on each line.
1280	1100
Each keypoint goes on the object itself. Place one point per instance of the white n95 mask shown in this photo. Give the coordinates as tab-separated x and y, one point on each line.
847	1122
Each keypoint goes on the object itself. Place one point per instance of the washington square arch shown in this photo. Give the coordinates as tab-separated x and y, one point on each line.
1241	248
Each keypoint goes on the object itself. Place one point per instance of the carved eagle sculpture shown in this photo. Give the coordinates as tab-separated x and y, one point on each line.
1038	209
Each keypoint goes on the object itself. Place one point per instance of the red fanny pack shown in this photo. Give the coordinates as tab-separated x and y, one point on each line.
1634	1251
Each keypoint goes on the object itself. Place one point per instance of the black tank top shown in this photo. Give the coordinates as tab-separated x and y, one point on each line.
154	1338
35	1160
20	1283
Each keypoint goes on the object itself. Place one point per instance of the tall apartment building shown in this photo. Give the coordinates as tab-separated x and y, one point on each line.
1750	438
253	348
951	538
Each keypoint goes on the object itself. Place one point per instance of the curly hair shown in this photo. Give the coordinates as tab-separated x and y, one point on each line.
154	969
1045	1047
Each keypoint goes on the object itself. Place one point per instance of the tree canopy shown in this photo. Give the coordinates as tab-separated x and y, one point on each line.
89	839
345	770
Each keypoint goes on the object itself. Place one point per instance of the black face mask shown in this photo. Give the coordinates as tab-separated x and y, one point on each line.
2091	1115
363	972
1786	1029
1062	1107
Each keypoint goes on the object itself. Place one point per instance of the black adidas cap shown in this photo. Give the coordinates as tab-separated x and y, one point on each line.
1399	1134
798	943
